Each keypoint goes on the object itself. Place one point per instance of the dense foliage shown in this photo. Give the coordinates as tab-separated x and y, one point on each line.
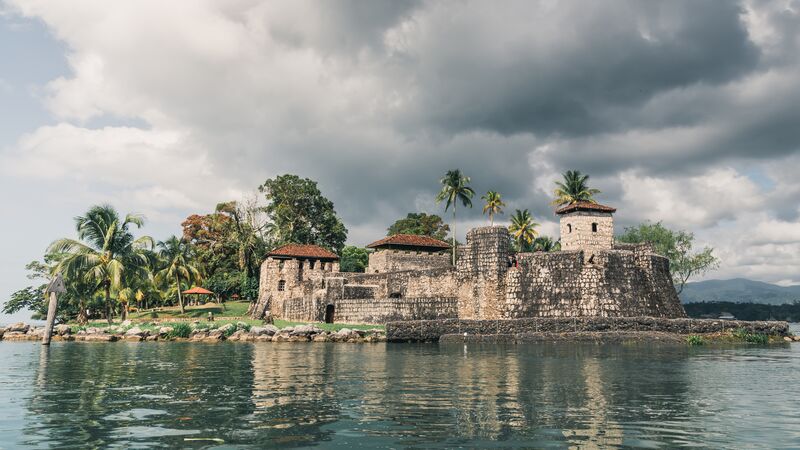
299	213
353	259
420	224
675	245
109	271
745	311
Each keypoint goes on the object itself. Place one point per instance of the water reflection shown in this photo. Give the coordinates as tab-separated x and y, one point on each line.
395	395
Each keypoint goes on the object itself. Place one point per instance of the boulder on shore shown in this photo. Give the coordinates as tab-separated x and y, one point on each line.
267	330
19	327
305	330
62	330
136	331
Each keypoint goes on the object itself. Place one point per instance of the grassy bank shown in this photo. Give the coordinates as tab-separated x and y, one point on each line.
229	312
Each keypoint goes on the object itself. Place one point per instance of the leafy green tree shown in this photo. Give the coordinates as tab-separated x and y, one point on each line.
72	304
573	189
455	188
354	259
301	214
247	231
31	298
105	253
523	229
494	205
178	265
225	284
546	244
421	224
675	245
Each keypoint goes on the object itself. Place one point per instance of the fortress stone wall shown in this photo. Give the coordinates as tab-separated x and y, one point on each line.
598	279
390	260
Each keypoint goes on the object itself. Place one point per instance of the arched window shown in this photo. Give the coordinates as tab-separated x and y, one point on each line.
282	285
594	227
569	228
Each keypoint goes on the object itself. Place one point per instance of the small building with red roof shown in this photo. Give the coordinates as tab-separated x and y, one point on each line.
303	251
401	252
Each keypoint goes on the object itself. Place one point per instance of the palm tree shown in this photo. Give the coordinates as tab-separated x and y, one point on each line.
574	189
106	252
177	257
546	244
455	188
523	228
494	205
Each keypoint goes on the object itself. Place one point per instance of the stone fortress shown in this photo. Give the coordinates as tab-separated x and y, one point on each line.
412	278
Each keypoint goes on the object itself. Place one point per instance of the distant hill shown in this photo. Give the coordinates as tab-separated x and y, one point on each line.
739	290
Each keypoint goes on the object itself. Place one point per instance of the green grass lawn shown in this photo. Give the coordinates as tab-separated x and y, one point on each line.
222	313
228	309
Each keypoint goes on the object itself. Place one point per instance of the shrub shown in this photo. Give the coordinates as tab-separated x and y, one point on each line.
695	340
153	315
753	338
180	330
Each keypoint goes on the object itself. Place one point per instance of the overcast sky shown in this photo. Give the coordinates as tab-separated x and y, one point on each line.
684	112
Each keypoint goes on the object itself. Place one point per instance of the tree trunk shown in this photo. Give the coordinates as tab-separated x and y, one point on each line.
123	313
108	303
454	232
180	299
82	316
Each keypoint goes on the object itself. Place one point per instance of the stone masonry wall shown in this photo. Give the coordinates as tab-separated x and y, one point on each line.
481	268
382	310
382	261
432	330
620	281
577	234
616	283
373	298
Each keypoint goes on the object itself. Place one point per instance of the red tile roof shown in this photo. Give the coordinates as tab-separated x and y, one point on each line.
585	206
410	240
303	251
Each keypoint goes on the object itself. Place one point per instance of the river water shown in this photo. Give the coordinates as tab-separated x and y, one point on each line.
145	395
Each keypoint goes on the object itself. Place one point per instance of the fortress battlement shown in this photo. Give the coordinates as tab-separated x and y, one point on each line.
412	278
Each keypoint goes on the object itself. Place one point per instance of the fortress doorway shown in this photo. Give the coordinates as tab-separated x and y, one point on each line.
329	310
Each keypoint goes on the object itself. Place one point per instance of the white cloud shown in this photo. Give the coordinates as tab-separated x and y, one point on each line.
376	100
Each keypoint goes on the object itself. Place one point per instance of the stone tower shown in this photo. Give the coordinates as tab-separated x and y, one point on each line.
586	226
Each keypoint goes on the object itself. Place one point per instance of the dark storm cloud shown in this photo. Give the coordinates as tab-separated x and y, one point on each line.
580	69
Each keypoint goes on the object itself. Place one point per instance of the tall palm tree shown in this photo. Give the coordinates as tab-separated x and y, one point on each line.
106	252
523	228
494	205
546	244
179	265
455	188
574	189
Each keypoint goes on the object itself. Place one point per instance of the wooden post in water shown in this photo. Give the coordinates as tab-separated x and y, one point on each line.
54	288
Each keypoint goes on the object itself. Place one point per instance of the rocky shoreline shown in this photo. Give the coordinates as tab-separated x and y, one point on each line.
239	332
576	328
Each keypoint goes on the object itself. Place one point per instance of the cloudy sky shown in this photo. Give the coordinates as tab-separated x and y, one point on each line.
682	111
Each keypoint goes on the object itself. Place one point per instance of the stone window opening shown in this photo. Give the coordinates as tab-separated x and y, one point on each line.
311	264
396	295
282	285
323	283
280	263
594	227
569	228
